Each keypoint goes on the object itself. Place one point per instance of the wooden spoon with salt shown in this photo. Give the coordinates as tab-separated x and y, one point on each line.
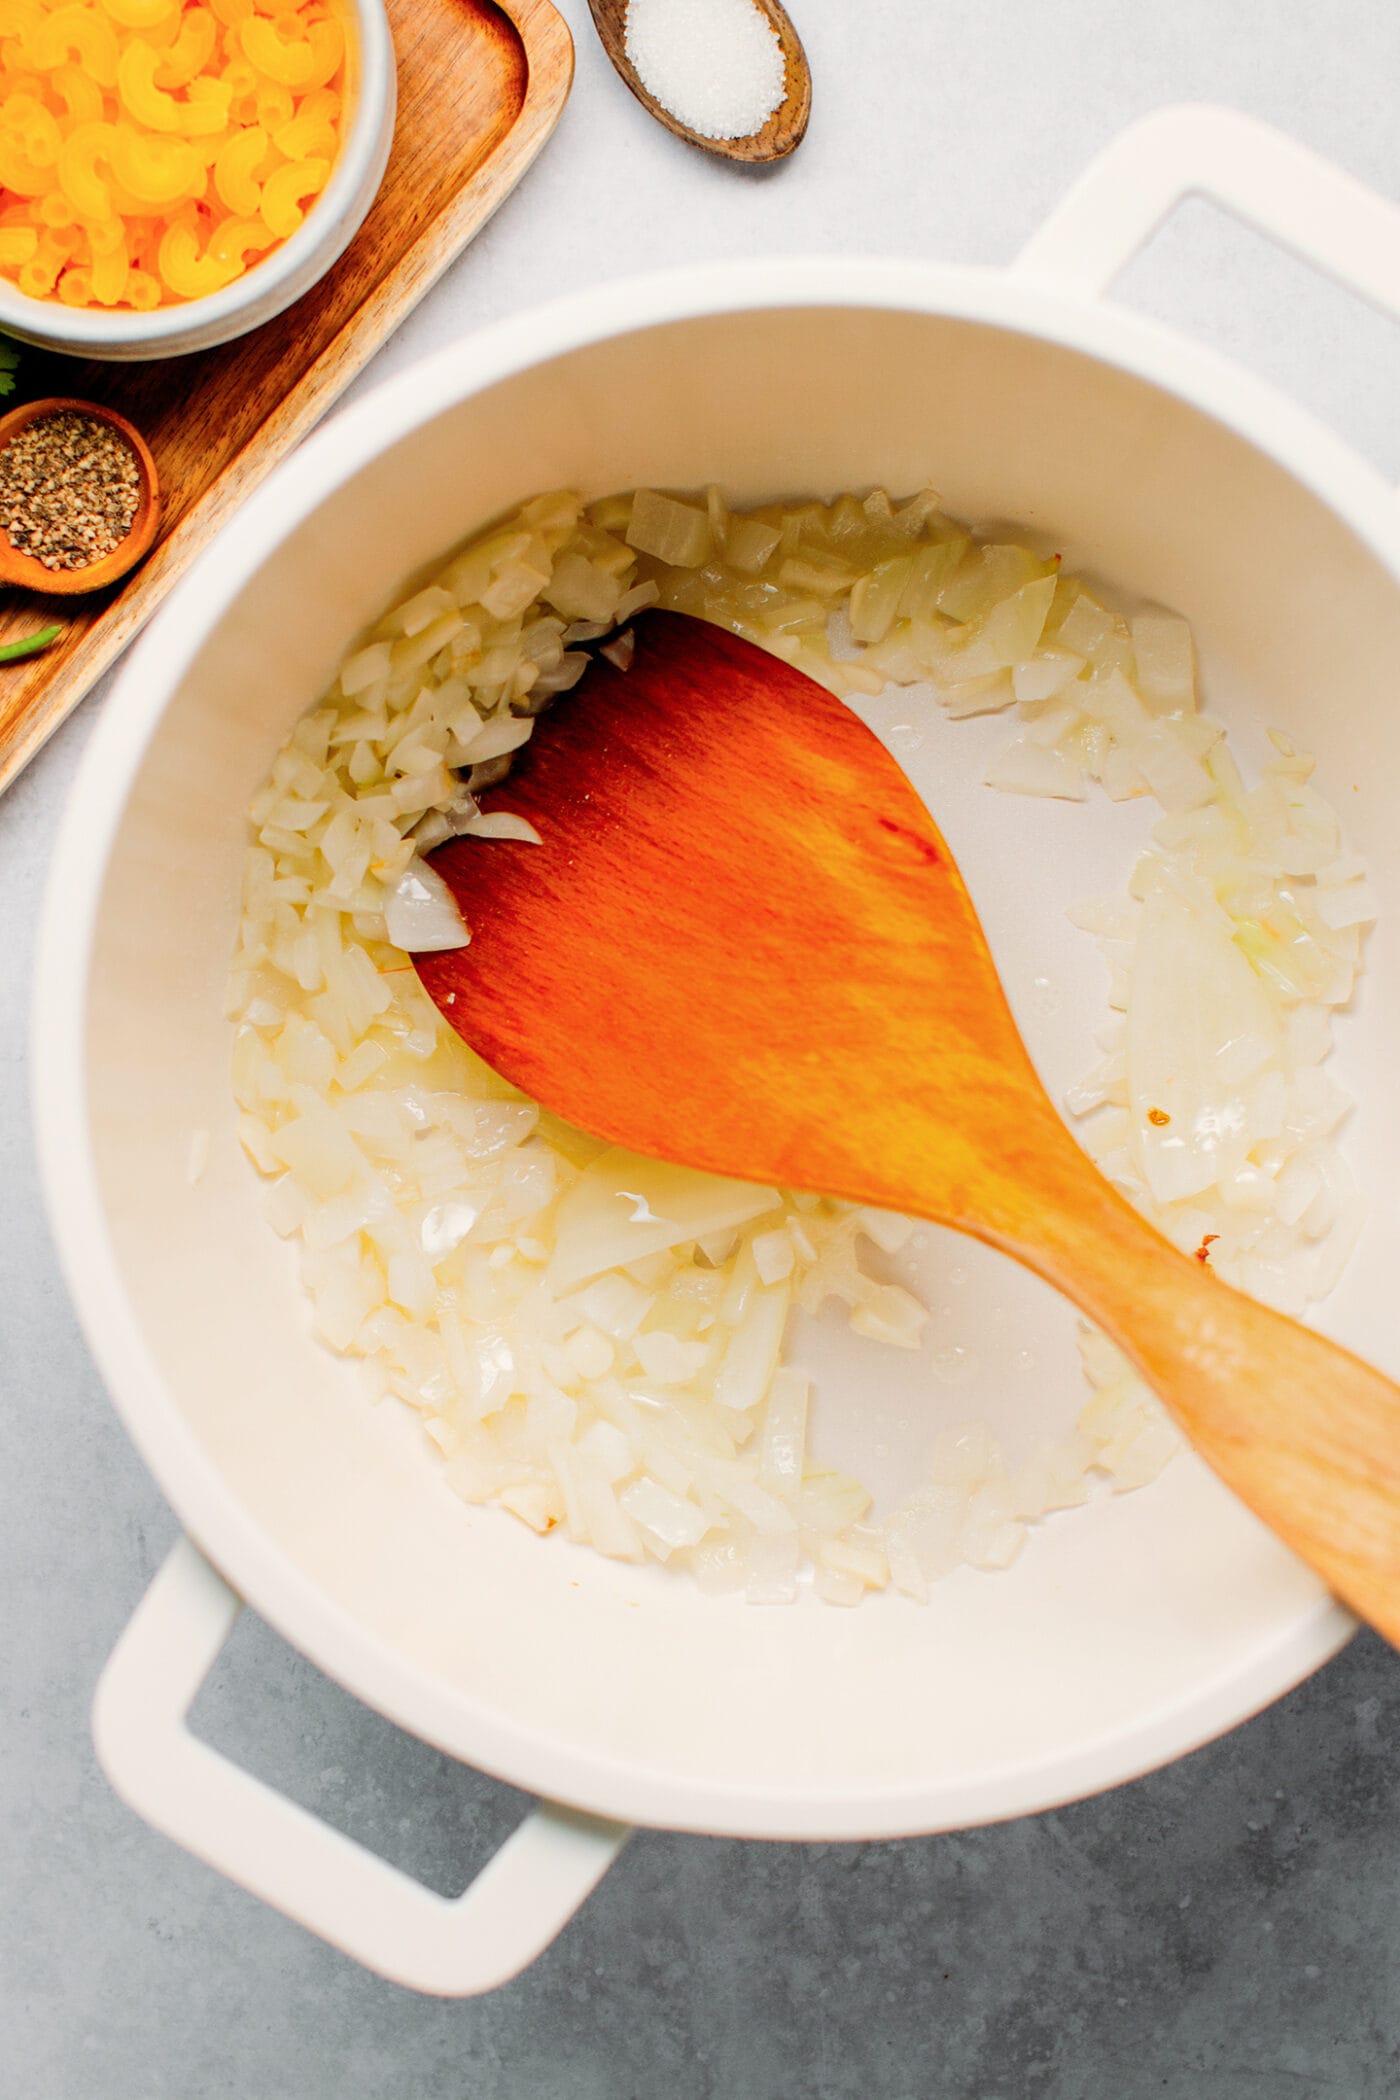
743	945
781	130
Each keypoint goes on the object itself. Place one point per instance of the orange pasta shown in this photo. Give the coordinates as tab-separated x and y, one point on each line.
152	151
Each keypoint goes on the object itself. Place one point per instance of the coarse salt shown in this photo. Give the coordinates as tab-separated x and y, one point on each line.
715	64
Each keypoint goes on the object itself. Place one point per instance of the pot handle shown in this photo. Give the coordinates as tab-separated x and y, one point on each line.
1282	189
455	1947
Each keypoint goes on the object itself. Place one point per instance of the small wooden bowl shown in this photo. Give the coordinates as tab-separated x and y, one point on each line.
67	583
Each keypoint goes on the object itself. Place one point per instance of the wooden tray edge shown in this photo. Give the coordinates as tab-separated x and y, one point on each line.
549	59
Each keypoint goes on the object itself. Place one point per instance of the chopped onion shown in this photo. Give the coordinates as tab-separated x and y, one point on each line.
783	1445
365	668
1165	661
624	1207
594	1341
420	912
621	650
495	738
1023	768
1200	1027
675	533
671	1519
501	824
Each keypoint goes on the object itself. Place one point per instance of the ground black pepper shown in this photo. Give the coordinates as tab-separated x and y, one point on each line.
70	487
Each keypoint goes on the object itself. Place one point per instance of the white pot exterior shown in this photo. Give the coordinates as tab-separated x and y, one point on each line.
1126	1634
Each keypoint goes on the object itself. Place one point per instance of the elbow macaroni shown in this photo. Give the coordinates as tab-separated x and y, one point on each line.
151	151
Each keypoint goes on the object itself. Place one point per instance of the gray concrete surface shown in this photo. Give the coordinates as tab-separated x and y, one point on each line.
1226	1930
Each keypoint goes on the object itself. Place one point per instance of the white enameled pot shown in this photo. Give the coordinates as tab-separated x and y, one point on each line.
1129	1631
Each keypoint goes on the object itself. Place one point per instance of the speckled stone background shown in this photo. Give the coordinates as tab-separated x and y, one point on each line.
1226	1930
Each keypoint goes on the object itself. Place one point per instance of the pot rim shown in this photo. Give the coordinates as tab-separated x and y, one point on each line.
367	1665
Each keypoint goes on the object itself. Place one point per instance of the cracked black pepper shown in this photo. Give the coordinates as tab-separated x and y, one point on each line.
70	487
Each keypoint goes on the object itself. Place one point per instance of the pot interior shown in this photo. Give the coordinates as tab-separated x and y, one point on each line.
1126	1630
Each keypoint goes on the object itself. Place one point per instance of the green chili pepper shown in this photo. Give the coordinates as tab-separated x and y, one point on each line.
28	645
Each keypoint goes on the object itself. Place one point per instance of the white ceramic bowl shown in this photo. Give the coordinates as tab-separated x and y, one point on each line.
291	269
1128	1632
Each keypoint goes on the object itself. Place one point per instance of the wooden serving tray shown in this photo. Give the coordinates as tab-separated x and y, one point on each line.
480	89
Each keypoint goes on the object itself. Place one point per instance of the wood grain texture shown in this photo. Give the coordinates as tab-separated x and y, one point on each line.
784	129
480	90
744	945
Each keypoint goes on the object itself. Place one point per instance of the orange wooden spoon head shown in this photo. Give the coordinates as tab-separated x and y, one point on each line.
743	946
743	943
23	569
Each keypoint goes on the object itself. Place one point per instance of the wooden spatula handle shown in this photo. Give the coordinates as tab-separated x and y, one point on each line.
1302	1430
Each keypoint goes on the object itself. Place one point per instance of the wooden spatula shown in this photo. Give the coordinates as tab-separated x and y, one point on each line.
743	945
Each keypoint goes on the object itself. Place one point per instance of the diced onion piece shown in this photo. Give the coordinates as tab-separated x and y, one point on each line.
501	824
876	597
420	912
317	1151
1023	768
923	1537
671	1519
285	1206
1012	629
675	533
615	1304
365	668
513	589
986	694
1108	698
1088	629
1053	722
860	1555
1165	661
1348	904
603	1447
534	1502
421	610
621	649
774	1255
891	1230
624	1207
750	544
750	1360
992	1535
1179	781
985	577
666	1360
590	1353
784	1436
1200	1027
887	1313
1045	674
495	738
580	590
